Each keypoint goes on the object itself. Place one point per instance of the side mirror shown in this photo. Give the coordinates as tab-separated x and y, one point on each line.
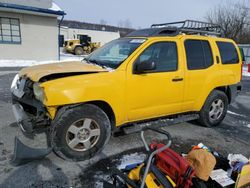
144	66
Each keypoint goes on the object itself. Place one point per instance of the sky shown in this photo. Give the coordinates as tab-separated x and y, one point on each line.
136	13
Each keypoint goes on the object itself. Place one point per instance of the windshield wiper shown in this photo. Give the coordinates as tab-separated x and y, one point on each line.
97	63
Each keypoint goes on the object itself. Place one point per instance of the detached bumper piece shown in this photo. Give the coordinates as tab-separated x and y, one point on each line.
30	115
24	154
22	119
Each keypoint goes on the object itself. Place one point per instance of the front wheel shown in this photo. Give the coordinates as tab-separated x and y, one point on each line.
80	132
214	110
79	50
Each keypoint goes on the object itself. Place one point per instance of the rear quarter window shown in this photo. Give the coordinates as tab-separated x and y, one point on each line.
199	54
228	53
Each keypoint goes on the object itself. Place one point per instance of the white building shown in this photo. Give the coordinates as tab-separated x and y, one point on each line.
246	49
97	32
29	29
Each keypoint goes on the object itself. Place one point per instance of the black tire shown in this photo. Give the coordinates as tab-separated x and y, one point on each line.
205	118
65	118
78	50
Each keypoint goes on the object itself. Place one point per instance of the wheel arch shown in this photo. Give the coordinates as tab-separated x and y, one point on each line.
101	104
107	109
78	45
227	91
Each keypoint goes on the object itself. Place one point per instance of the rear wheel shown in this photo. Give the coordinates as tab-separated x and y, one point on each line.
81	132
214	110
79	50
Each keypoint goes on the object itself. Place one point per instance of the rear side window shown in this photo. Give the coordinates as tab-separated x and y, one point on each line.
228	53
199	54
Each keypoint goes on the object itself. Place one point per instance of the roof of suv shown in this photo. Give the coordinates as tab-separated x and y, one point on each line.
189	27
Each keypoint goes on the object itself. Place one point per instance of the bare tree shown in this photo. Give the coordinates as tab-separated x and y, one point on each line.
103	22
234	20
125	23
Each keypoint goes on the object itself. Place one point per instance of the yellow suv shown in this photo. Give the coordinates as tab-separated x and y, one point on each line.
152	73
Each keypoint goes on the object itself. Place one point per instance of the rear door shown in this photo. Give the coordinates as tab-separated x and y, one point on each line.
201	72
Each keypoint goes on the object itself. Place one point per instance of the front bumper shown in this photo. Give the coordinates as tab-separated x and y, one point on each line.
30	121
30	114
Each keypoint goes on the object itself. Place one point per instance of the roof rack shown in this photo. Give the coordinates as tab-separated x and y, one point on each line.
189	27
193	27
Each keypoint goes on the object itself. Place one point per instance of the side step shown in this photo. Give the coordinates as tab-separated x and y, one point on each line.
137	127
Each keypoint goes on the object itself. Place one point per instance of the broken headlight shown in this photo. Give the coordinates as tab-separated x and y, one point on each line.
38	92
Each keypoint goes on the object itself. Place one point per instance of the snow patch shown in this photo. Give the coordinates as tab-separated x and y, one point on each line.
26	63
55	7
233	113
244	123
131	159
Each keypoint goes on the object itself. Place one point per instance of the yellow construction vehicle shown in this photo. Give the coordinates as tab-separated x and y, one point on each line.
80	46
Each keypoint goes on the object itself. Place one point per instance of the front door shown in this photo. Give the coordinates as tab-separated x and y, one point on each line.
158	92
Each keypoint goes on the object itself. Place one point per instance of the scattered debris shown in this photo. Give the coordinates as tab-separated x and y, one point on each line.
221	177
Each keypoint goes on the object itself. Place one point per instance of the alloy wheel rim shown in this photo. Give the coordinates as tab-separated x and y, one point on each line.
83	134
216	110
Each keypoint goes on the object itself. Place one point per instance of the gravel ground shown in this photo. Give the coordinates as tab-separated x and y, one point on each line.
232	136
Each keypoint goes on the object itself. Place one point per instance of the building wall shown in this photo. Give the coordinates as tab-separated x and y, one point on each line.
96	36
39	35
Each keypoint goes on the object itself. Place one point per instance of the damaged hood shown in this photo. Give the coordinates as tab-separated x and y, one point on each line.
59	70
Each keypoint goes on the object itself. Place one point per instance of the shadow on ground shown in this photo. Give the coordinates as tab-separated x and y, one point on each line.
41	174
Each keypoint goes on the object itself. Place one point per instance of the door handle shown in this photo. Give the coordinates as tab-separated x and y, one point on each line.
177	79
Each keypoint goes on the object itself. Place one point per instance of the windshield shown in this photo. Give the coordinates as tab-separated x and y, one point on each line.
114	53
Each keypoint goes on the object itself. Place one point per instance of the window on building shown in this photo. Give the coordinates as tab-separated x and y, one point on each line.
199	54
228	53
61	40
10	30
164	54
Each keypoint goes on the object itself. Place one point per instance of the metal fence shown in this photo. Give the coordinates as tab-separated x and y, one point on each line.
246	49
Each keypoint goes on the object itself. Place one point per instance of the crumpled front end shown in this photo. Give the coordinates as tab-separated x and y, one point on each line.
30	113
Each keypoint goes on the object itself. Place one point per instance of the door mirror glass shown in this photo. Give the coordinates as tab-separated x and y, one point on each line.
145	66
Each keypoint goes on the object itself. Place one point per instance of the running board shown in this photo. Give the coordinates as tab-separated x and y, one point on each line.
137	127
